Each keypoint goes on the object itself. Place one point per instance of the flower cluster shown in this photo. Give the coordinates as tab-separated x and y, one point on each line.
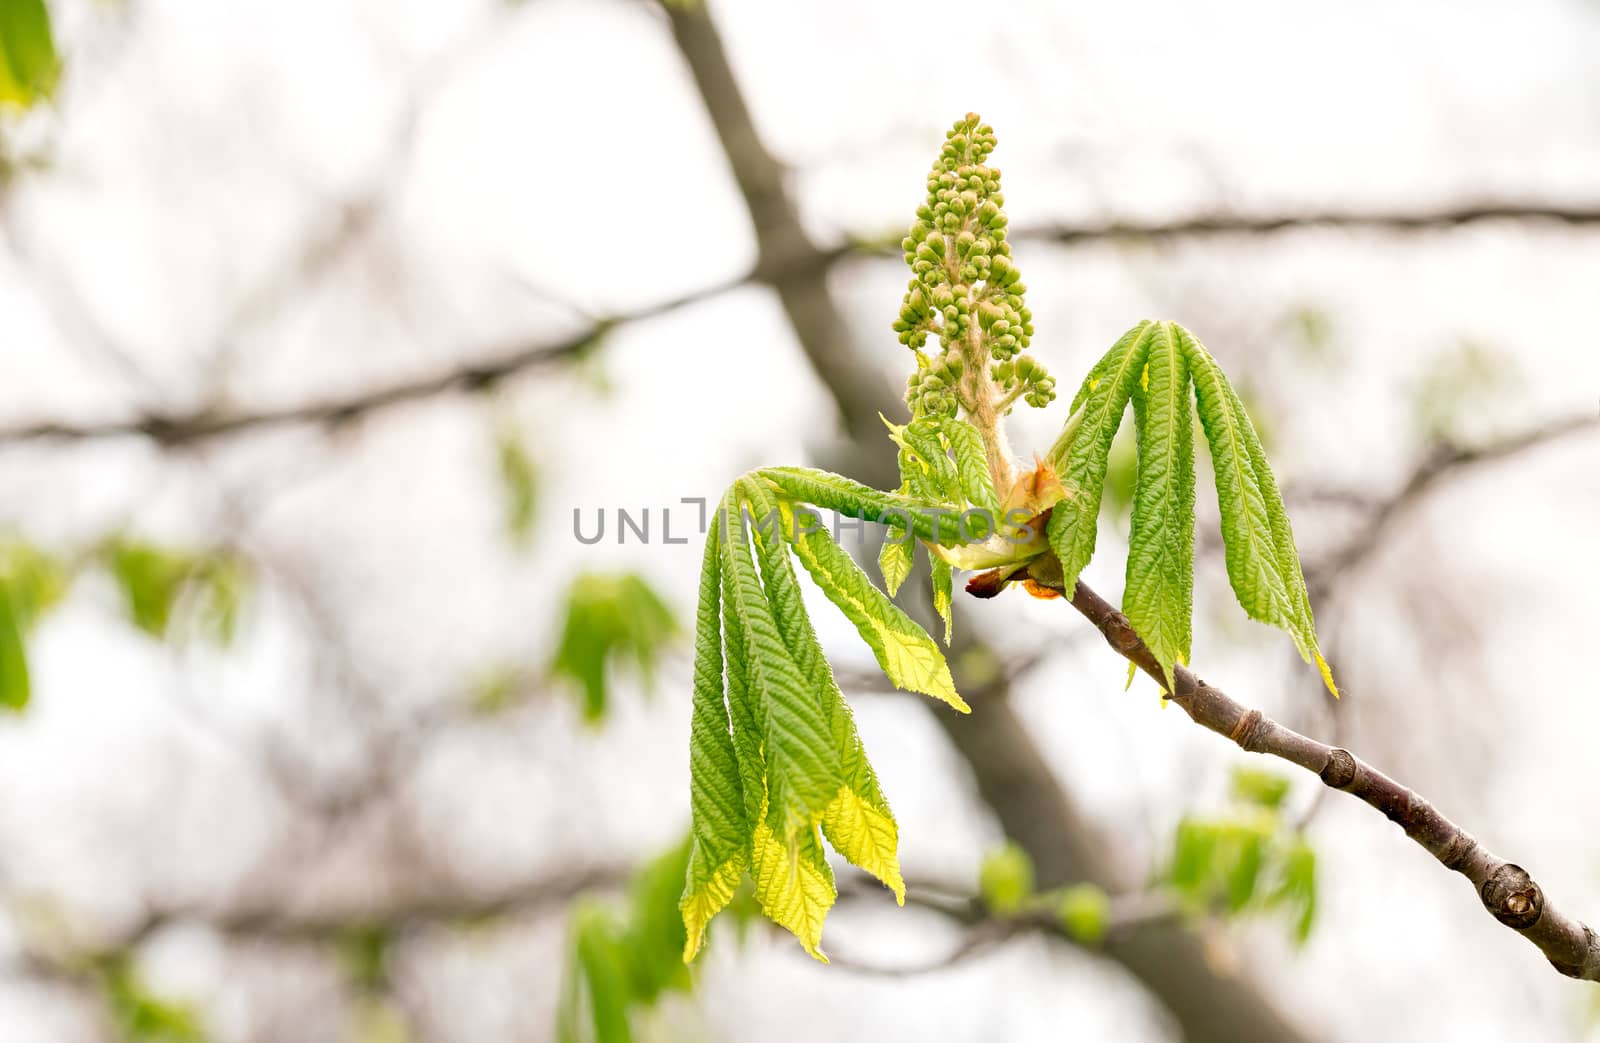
964	287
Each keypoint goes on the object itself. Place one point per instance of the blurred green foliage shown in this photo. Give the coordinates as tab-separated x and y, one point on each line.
31	583
610	619
1313	330
1455	386
619	964
519	478
1005	879
174	592
166	592
29	67
1249	861
1084	911
138	1015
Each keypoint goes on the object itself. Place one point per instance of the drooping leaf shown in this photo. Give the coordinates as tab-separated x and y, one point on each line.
794	883
858	821
802	768
29	66
1103	399
720	829
1159	595
1258	544
907	655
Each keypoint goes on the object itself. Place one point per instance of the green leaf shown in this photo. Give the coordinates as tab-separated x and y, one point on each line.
610	619
519	477
1159	595
972	463
895	558
943	593
29	67
1102	399
925	465
802	769
1263	565
1084	911
857	821
907	655
1005	879
720	830
851	498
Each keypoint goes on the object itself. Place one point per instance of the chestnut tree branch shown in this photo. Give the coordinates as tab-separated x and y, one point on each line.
1506	890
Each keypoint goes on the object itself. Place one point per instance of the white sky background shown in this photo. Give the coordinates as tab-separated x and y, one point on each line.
566	154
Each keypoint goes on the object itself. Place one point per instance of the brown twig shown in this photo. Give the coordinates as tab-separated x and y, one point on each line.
1506	890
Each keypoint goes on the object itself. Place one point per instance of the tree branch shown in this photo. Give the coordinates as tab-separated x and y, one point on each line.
1126	914
1443	461
1394	222
1506	890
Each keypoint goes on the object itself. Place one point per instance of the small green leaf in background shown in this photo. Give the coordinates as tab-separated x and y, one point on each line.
1457	385
15	686
1313	331
31	583
1085	913
1297	889
149	578
139	1015
618	965
610	618
1261	788
496	689
171	592
29	66
363	952
1005	879
36	581
519	478
1249	861
378	1019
